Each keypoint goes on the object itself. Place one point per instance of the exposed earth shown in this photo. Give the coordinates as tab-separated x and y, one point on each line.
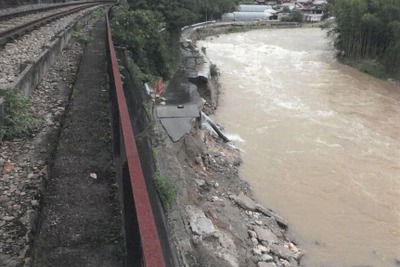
215	221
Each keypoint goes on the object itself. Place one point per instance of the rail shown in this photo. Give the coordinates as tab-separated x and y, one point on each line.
126	152
47	8
8	35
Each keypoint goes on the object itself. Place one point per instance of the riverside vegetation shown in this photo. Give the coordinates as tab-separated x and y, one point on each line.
151	30
367	34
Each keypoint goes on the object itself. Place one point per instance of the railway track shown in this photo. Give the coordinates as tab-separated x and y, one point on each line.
19	13
27	48
16	27
146	243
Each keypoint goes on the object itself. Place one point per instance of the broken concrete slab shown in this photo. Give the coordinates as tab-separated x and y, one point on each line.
273	226
266	235
177	127
199	223
245	202
282	251
280	220
266	264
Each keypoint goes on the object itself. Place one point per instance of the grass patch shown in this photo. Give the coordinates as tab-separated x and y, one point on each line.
373	68
98	13
368	66
17	120
75	91
237	30
166	191
80	36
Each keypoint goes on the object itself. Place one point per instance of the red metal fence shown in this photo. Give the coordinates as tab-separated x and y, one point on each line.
150	254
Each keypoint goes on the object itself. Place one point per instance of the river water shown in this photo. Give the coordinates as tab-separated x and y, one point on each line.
320	141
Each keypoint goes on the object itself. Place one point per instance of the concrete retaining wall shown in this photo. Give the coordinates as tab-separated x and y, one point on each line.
201	30
197	64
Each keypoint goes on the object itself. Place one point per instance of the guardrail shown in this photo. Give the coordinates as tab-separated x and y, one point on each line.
142	239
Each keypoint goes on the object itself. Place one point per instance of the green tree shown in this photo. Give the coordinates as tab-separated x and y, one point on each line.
368	29
141	33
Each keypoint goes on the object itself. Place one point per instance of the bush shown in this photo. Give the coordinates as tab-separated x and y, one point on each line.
214	71
98	13
373	68
141	33
17	120
80	36
166	191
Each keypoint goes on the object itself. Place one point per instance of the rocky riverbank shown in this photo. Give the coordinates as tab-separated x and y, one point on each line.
215	221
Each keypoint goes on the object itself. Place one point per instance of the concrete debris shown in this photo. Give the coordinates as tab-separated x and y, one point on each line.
199	223
273	226
283	252
280	220
262	248
266	235
254	240
252	233
200	182
266	264
258	222
267	257
245	202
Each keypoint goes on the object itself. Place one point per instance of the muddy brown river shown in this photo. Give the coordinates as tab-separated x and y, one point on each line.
320	141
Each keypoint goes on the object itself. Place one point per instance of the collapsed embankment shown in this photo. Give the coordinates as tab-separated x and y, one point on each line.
215	221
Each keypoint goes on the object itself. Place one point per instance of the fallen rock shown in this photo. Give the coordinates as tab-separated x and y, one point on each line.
245	202
262	248
199	223
266	235
8	218
257	251
267	258
254	240
293	247
293	262
273	226
258	222
200	182
285	263
283	252
216	198
252	233
266	264
280	220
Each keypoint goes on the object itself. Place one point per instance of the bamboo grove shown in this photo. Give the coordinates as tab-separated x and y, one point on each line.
368	29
